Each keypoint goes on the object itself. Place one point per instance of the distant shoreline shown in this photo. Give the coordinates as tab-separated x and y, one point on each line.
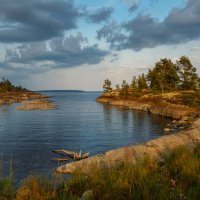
81	91
60	91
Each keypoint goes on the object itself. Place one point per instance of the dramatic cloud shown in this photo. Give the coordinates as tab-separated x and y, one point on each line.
58	53
99	15
113	34
28	21
180	26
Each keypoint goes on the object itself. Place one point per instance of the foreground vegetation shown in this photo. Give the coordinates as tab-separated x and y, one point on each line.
175	176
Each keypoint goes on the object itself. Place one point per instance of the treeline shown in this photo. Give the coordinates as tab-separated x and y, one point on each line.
7	86
166	76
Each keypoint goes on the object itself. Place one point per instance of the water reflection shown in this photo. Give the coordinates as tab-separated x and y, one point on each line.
79	123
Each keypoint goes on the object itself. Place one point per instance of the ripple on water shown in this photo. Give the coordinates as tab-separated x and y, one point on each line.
79	123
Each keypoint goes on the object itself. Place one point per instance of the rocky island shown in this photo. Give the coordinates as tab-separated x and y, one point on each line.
30	100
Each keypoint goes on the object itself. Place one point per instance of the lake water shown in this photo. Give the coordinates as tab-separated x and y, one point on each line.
79	123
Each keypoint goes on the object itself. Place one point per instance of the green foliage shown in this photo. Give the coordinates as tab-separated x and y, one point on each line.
107	86
7	86
6	184
187	72
142	82
134	83
134	90
163	77
124	92
190	98
6	189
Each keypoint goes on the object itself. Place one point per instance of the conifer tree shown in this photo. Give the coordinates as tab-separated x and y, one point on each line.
107	86
134	83
124	89
187	74
163	77
142	83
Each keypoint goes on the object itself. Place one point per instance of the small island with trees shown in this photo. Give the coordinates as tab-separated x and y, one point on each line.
165	77
30	100
168	89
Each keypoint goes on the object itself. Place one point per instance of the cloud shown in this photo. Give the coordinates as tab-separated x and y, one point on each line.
99	15
28	21
63	52
112	33
133	8
132	4
180	26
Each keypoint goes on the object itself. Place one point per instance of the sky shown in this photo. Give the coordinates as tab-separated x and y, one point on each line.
76	44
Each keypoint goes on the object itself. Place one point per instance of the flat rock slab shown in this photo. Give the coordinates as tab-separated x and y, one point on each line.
37	104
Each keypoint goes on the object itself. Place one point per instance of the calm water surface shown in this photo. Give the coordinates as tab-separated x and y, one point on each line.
28	137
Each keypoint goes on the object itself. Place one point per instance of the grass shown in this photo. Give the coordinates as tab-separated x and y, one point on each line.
188	98
175	176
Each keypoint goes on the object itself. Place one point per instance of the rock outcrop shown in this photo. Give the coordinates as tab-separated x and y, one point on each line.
37	104
153	148
17	97
30	100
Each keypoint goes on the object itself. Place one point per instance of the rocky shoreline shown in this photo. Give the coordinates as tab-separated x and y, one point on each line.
182	115
186	121
17	97
153	149
162	108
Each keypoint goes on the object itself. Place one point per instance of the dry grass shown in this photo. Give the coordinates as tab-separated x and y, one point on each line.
176	177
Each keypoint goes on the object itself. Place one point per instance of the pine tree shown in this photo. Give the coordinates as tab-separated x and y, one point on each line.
163	77
187	74
107	86
142	82
124	92
134	83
